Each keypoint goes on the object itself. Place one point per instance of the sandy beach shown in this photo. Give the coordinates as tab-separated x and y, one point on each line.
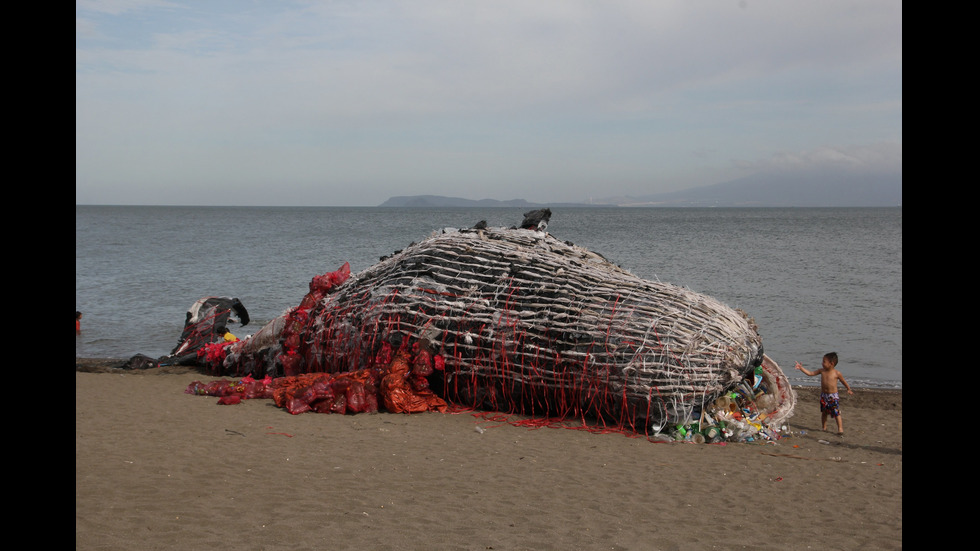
157	468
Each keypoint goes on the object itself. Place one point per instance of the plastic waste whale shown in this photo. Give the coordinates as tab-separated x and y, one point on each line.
514	319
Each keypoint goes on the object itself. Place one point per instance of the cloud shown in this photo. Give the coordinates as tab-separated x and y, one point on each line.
885	157
122	7
547	97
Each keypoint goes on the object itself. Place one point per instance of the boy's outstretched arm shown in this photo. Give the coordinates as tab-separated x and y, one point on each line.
800	367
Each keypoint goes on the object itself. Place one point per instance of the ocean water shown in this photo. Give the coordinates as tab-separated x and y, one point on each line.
814	279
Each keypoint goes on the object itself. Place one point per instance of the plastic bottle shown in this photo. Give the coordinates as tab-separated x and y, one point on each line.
723	403
711	433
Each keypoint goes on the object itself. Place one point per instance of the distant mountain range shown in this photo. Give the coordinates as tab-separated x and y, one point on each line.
817	188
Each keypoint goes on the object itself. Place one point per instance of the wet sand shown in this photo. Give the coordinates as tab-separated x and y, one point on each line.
156	468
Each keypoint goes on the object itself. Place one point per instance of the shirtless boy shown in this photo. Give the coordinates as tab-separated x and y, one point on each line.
829	398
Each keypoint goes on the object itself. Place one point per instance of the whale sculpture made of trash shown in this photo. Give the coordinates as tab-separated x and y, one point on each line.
516	320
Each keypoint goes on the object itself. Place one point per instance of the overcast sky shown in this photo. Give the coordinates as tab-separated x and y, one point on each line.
235	102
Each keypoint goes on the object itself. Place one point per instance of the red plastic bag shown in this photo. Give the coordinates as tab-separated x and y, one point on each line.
291	364
297	406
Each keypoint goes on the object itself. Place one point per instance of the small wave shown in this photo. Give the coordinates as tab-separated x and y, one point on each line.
856	383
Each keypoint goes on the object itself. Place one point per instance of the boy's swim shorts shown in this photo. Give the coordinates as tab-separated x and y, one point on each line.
830	403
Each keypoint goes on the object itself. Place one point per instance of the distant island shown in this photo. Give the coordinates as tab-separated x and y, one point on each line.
815	188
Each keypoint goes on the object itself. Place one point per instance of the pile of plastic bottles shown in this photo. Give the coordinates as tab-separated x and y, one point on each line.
738	416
